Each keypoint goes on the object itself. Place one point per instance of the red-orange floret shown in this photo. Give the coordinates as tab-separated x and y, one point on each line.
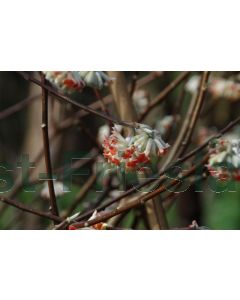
72	227
115	161
142	158
128	153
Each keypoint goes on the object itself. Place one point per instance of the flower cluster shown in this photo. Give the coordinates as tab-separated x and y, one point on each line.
224	88
74	81
217	87
93	79
65	81
224	161
133	152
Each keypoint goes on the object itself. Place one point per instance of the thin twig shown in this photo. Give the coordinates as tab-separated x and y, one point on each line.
148	78
83	191
30	210
138	201
133	84
61	97
156	177
192	118
103	105
163	94
47	155
17	107
189	121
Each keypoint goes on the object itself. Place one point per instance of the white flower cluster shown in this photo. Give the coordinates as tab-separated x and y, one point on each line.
133	152
75	81
225	88
217	87
65	81
149	141
224	162
93	79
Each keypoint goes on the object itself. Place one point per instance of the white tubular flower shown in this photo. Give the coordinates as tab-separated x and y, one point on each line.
103	133
58	188
149	141
113	146
93	79
65	81
224	162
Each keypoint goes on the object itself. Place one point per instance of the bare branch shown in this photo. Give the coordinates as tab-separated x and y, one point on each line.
30	210
17	107
47	155
61	97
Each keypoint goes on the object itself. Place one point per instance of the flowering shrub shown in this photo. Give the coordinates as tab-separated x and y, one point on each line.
104	168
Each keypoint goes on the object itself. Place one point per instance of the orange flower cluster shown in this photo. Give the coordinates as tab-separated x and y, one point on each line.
133	152
224	161
65	81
